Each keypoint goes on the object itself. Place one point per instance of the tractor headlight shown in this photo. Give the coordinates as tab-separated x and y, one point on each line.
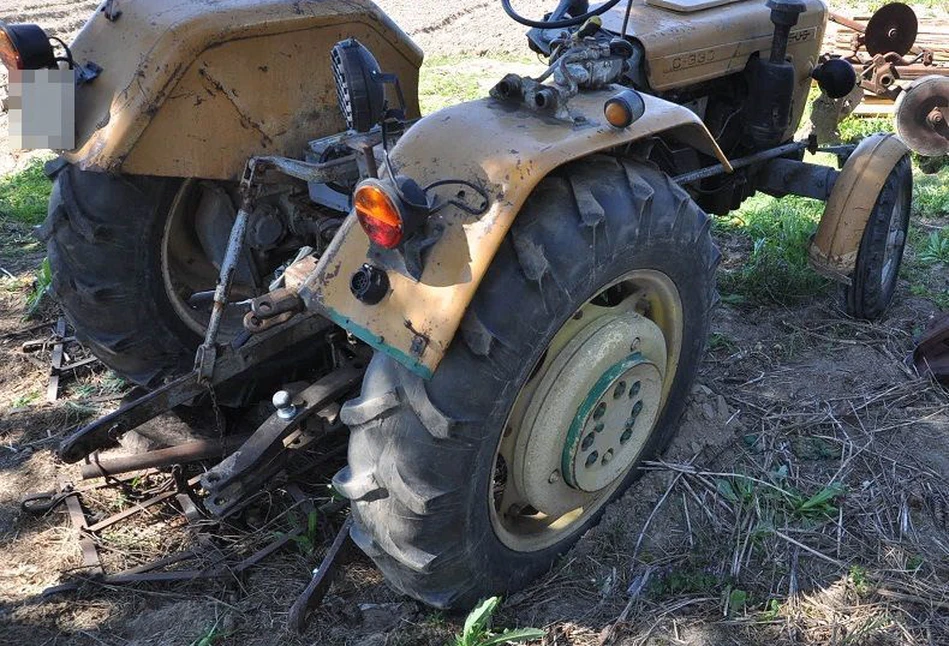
359	85
25	47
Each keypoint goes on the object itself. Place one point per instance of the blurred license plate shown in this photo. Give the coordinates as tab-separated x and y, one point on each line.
42	109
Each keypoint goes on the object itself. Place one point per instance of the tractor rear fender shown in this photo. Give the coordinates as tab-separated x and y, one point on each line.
193	89
504	149
833	251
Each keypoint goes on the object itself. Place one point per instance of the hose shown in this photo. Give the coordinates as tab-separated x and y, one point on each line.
557	24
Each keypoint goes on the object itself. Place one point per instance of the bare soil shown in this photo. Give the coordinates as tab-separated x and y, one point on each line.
795	398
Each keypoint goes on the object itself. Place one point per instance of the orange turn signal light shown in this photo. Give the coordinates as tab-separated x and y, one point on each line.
624	109
377	209
25	47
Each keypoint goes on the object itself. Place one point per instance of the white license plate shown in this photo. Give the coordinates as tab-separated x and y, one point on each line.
42	109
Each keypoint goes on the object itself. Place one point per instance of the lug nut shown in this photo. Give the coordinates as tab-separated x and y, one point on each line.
554	477
607	457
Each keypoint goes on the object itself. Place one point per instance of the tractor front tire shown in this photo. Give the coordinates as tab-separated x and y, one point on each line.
423	466
877	269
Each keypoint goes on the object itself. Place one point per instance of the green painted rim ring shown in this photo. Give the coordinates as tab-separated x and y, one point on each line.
603	384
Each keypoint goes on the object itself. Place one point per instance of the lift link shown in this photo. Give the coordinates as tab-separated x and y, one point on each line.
249	190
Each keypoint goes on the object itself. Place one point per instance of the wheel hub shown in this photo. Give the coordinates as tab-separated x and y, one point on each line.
592	412
621	406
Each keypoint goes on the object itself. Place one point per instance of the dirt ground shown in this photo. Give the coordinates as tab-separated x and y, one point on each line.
702	551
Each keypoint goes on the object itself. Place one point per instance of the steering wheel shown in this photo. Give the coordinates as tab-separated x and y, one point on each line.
558	24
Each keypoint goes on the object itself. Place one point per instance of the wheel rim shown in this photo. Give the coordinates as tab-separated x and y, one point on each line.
193	241
895	239
580	422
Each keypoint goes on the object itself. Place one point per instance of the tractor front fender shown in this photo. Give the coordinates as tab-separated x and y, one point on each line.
504	149
833	251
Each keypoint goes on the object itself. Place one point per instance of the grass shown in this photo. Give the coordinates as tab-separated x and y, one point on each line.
24	195
776	270
447	80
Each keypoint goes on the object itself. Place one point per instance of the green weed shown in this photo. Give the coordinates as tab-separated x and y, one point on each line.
309	540
25	400
935	248
24	195
776	270
853	128
41	287
860	580
931	194
213	636
477	630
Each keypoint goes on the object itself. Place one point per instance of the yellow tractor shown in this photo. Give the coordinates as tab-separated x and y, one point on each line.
505	303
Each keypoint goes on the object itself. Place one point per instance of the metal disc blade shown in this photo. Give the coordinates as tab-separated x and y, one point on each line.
921	116
892	28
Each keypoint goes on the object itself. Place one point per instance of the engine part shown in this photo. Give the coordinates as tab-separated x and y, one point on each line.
581	62
892	28
922	116
772	81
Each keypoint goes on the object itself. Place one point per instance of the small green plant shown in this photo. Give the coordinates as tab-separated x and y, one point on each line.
772	610
718	341
308	540
935	248
477	630
914	562
860	580
24	195
25	400
213	636
737	600
41	287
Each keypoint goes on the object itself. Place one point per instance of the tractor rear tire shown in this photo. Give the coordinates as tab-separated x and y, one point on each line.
422	454
877	269
104	236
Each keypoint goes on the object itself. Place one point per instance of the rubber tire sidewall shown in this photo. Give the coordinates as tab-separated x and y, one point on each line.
104	236
867	297
449	555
